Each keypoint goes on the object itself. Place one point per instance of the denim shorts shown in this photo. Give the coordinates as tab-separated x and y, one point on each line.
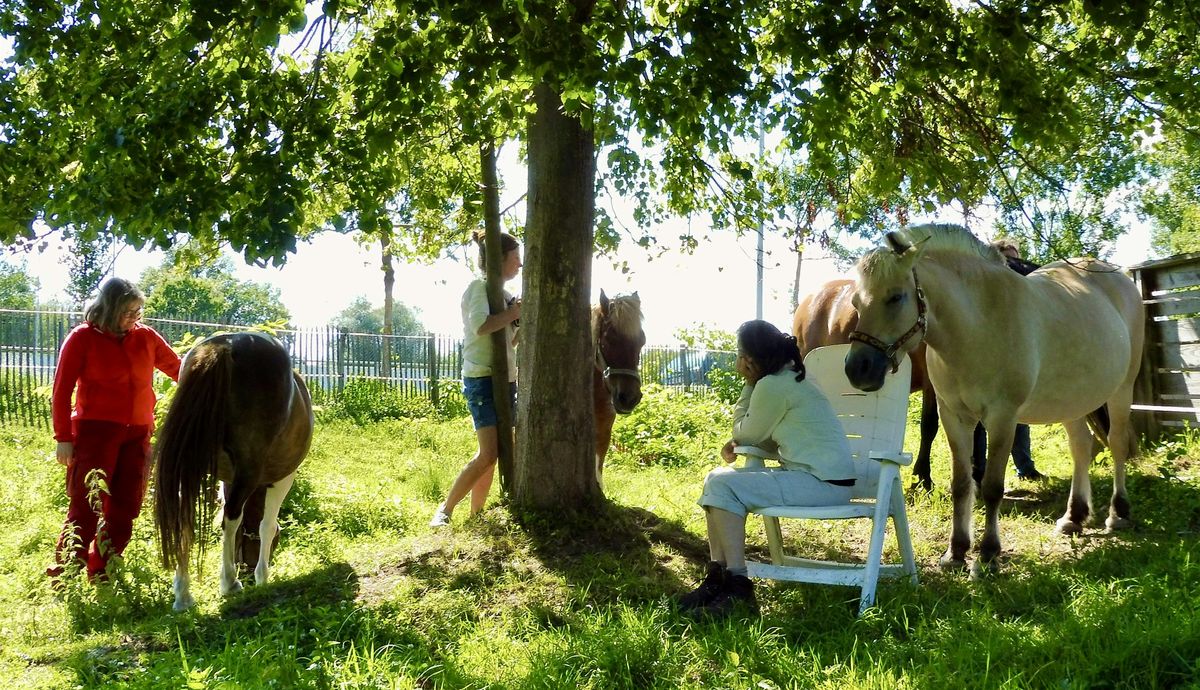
478	392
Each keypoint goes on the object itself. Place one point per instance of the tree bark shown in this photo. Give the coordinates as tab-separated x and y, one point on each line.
496	303
389	283
555	463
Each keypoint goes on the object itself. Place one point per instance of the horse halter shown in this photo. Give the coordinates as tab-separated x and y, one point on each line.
890	351
607	371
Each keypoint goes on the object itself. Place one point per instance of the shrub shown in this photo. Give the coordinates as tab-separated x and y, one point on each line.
368	400
671	428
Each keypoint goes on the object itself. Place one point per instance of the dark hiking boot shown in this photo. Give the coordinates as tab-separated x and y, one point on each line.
1031	476
712	585
737	594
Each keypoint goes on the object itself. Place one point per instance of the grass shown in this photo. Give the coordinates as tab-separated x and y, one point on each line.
364	595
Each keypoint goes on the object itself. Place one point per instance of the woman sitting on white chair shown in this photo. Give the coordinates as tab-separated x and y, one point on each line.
778	410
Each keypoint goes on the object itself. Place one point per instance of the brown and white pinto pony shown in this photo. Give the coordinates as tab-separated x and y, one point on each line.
241	416
618	339
1002	348
827	317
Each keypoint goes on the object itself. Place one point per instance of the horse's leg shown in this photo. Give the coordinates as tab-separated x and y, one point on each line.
183	592
605	416
929	429
962	489
1123	443
1001	428
236	493
269	525
1079	504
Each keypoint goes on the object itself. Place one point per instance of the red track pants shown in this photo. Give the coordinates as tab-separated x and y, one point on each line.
100	526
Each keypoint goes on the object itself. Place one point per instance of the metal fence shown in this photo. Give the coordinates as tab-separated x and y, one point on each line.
327	357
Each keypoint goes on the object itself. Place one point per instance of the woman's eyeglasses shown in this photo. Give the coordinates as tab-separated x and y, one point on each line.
133	313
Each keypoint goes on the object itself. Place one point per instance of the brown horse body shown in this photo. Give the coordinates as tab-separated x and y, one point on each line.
616	385
827	317
240	416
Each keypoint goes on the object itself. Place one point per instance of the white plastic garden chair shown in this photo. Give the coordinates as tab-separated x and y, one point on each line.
874	425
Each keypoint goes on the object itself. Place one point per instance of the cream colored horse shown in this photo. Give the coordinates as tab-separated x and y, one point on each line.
1002	348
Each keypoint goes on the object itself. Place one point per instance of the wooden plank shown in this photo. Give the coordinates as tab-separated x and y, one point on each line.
1179	276
1176	331
1182	356
1176	384
1174	304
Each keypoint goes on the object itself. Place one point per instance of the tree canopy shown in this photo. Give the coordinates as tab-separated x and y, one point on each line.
18	289
209	292
157	119
364	317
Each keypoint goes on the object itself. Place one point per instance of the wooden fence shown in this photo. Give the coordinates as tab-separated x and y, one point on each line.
328	358
1167	396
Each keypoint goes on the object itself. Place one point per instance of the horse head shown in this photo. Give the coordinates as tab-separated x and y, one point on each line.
618	336
891	311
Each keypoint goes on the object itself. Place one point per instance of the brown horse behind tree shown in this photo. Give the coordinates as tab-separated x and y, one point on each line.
827	317
616	385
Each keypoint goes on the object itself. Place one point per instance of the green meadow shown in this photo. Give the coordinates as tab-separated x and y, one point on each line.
365	595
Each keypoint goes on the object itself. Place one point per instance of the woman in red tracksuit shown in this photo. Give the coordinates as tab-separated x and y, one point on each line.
108	362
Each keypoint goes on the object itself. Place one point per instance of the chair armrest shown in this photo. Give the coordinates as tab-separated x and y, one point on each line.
755	455
896	458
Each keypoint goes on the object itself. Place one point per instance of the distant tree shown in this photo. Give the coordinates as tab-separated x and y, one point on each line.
18	289
1172	204
363	317
182	287
90	259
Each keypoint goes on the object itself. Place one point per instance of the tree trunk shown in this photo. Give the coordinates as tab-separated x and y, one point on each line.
555	463
389	283
496	304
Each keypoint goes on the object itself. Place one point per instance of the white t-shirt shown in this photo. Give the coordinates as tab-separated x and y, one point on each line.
799	419
477	349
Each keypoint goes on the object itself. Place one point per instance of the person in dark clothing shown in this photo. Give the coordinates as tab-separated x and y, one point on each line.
1021	448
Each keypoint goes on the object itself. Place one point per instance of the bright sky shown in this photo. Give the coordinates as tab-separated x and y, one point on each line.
715	285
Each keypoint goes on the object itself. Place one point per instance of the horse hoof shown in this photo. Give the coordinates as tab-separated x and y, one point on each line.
183	603
232	588
1067	527
952	563
1117	524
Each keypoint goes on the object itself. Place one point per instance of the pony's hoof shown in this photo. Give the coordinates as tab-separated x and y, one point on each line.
1117	524
1067	527
952	563
232	588
183	603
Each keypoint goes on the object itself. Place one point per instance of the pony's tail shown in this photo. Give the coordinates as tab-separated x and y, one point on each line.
189	443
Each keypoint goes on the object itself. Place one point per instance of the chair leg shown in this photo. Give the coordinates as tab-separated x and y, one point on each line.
774	538
903	537
878	527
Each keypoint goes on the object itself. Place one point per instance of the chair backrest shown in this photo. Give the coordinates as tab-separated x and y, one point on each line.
872	421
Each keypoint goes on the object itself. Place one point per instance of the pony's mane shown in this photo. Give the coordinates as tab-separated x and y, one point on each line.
624	313
881	264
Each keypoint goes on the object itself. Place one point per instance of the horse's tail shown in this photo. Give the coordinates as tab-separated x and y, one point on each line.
189	443
1097	420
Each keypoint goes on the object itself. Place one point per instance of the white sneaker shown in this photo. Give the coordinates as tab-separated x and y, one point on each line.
440	519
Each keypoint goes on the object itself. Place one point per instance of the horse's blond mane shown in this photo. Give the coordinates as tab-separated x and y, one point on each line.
624	313
883	265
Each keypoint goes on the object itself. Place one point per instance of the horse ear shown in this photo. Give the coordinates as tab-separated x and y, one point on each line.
897	242
603	301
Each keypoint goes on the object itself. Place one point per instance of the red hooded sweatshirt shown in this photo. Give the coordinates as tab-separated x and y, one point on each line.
114	377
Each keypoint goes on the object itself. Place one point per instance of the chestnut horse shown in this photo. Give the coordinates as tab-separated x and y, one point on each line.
241	416
616	384
827	317
1001	348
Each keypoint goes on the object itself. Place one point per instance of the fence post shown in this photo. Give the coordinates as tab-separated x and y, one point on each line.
431	349
339	344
